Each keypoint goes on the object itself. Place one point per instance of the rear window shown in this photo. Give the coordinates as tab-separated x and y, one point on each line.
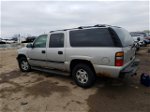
98	37
124	36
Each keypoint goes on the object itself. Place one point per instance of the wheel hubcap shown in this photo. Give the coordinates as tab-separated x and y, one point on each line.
24	65
82	76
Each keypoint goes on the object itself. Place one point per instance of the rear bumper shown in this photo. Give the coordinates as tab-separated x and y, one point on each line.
130	70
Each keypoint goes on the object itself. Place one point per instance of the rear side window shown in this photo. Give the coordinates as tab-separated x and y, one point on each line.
56	40
124	36
91	38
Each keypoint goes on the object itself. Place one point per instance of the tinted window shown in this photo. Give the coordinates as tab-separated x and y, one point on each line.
40	42
91	38
124	36
57	40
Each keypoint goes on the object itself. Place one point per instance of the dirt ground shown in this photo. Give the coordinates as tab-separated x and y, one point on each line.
43	92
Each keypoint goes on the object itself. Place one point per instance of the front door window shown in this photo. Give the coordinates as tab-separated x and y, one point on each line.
40	42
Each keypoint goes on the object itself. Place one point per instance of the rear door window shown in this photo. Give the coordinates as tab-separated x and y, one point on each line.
56	40
96	37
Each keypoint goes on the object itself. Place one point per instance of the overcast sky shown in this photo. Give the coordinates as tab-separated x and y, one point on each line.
36	18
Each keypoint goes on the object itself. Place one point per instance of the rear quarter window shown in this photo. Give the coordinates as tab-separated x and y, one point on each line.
97	37
124	36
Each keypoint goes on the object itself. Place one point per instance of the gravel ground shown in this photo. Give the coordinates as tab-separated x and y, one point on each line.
42	92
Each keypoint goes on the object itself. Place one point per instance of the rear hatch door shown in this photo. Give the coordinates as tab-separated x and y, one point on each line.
127	44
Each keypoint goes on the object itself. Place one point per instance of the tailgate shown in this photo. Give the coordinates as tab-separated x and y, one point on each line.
129	54
127	44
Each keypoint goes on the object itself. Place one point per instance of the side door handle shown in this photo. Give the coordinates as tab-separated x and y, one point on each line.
43	51
60	52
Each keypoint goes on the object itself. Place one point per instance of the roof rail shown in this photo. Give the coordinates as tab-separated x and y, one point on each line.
82	27
63	30
98	25
57	30
101	25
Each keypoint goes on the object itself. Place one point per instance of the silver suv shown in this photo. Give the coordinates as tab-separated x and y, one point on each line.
83	53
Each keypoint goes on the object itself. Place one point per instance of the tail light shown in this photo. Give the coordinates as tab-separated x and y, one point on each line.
119	58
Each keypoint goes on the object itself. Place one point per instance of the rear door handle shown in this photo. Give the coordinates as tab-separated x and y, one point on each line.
43	51
60	52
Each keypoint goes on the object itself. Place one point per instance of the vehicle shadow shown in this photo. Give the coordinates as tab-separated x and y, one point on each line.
116	83
100	81
50	75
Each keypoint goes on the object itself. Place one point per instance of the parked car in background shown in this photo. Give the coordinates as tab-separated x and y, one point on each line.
6	41
29	39
2	41
147	40
83	53
144	38
137	40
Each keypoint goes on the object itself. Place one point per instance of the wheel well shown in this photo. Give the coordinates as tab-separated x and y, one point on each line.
77	61
20	56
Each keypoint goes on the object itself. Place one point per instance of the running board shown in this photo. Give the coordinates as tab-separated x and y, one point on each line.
51	71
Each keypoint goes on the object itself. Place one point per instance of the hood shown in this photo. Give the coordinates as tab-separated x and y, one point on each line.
22	50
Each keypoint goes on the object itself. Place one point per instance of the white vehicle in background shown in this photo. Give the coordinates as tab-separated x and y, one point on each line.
143	38
10	41
6	41
138	38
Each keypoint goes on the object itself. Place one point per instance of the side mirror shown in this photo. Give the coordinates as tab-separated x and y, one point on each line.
29	45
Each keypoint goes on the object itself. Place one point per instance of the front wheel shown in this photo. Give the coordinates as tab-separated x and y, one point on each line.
24	65
83	75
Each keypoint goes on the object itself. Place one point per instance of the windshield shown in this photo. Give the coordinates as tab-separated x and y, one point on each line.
124	36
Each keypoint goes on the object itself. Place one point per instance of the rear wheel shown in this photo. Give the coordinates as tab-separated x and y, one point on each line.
83	75
24	65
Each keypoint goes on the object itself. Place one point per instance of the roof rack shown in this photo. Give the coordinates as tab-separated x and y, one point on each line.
98	25
57	30
63	30
101	25
82	27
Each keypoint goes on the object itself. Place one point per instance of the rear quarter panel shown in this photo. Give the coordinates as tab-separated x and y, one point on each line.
102	58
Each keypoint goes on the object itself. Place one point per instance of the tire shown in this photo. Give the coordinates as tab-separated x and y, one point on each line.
83	75
24	65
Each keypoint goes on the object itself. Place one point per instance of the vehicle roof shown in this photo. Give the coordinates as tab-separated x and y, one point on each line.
85	27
